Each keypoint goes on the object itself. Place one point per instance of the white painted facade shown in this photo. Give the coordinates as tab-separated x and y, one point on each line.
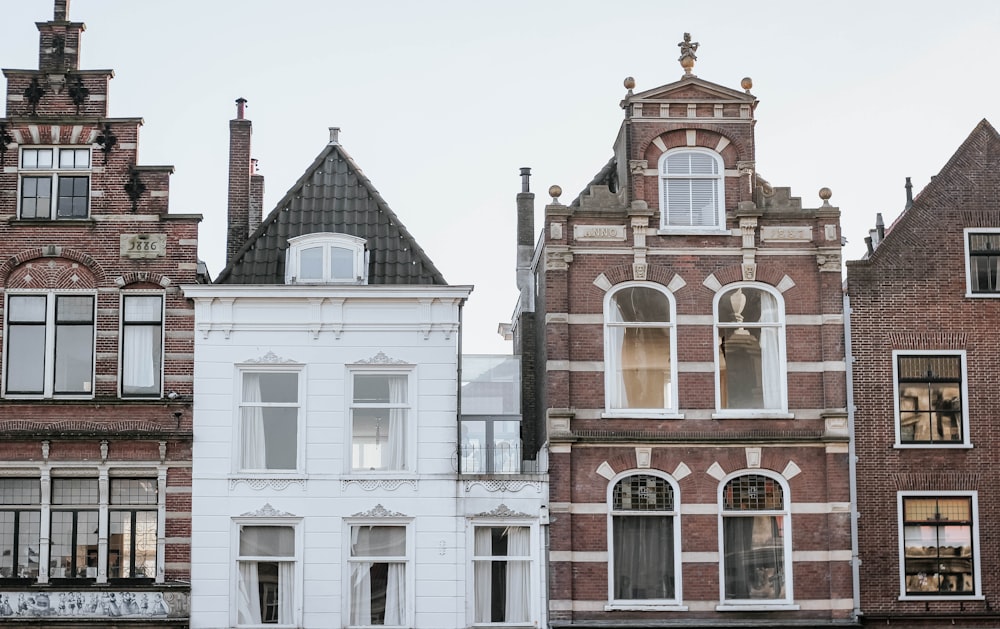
322	338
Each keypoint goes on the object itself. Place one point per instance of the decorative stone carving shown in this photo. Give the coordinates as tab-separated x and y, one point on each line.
277	484
83	604
557	258
639	271
599	233
378	511
750	271
502	485
380	359
371	484
270	358
637	166
267	511
503	511
829	262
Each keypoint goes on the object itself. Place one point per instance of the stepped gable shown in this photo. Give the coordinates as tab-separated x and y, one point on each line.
333	195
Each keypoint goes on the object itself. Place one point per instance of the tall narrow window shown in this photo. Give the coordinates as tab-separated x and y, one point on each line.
20	526
984	262
639	344
938	558
755	560
502	574
26	332
643	518
73	552
691	189
930	398
132	529
266	576
142	345
379	422
378	576
751	349
269	421
64	170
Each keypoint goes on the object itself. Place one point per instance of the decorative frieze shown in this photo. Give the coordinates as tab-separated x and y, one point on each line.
371	484
503	485
277	484
83	604
503	511
599	233
378	511
267	511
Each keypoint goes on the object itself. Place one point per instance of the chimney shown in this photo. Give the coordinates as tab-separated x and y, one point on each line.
909	194
256	197
59	41
525	240
239	181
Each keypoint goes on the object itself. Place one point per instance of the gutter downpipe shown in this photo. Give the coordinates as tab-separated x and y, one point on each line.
852	462
458	392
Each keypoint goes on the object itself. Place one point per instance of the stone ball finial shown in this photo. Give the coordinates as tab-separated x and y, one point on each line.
747	83
825	194
629	82
555	192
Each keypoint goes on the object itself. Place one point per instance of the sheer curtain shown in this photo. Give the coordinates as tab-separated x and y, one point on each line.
361	581
518	590
644	557
770	361
252	430
248	605
370	542
483	576
396	456
395	595
286	600
140	344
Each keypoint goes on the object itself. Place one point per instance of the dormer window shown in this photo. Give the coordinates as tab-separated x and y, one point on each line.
691	190
326	258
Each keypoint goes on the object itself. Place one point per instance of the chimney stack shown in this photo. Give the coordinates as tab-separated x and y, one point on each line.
238	222
909	194
525	240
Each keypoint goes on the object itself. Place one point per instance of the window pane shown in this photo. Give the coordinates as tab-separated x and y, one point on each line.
754	557
73	196
311	264
141	345
133	491
74	359
643	557
378	439
341	263
644	371
753	492
638	304
269	421
20	491
27	343
375	389
643	492
132	545
36	197
501	583
267	541
930	399
937	546
74	491
143	309
378	541
279	388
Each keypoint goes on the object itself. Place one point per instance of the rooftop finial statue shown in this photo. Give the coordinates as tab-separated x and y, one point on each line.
687	58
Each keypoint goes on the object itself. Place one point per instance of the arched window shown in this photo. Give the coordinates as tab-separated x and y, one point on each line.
644	534
750	336
692	194
756	540
640	369
326	258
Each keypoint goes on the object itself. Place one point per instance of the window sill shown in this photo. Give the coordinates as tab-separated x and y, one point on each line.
933	446
752	414
945	597
983	295
645	607
52	221
757	607
638	414
693	231
30	396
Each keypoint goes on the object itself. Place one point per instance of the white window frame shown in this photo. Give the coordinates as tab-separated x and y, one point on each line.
300	451
295	523
410	406
18	509
405	522
977	564
719	226
965	442
612	355
534	574
49	375
785	512
53	174
675	603
121	350
781	412
966	234
326	240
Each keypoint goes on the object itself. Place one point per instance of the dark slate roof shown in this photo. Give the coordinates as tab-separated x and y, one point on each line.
608	176
333	195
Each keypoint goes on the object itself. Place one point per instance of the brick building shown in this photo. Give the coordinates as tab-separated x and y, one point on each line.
95	415
923	307
690	360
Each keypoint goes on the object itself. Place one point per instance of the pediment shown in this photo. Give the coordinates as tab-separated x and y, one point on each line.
692	89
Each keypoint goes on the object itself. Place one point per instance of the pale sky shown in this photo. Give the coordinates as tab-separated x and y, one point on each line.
441	102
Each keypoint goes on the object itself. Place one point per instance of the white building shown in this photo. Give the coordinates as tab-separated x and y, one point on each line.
326	488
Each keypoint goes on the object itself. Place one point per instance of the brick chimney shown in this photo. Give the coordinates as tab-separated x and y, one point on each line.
59	41
256	197
239	181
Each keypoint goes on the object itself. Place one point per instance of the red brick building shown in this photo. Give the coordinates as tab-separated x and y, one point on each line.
689	324
923	306
98	341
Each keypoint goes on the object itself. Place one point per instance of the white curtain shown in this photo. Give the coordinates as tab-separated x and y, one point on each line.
616	346
518	590
483	576
395	595
252	430
286	588
140	343
361	581
396	454
770	361
248	605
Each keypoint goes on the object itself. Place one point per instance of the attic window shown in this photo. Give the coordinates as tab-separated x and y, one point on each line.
326	258
691	190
